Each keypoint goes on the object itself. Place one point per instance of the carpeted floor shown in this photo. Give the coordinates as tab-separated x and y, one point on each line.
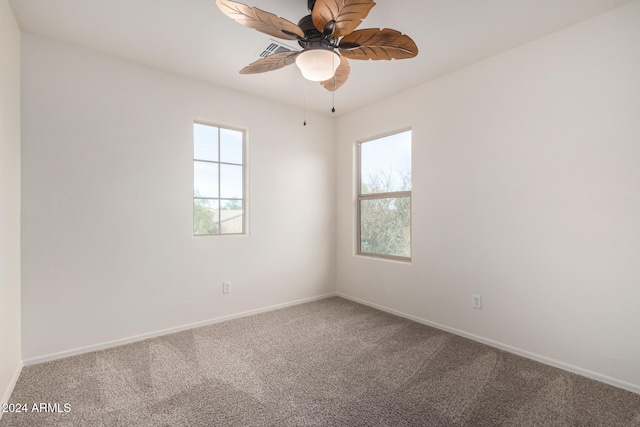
330	362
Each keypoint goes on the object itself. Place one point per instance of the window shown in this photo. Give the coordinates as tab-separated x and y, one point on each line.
218	180
384	197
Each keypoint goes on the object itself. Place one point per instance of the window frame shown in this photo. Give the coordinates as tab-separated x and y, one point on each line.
219	163
379	196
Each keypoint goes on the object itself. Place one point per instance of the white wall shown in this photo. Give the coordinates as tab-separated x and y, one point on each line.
526	190
10	360
108	251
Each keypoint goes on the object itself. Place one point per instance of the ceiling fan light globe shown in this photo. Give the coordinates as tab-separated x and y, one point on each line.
318	64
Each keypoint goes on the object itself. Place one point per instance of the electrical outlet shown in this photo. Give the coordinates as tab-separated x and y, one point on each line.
476	301
226	287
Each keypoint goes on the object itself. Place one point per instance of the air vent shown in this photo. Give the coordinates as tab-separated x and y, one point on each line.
274	47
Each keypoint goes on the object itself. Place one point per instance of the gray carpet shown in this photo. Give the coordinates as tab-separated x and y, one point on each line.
330	362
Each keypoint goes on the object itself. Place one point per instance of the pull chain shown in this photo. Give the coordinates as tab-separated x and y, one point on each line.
335	82
305	103
333	100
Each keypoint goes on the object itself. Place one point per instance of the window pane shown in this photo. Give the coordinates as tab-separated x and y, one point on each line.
385	226
205	216
205	142
205	179
231	181
385	164
231	216
218	180
230	146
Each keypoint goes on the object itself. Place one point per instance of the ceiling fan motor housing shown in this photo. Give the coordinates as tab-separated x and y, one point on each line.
314	39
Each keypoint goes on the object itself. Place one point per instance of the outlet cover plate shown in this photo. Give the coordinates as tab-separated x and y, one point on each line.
476	301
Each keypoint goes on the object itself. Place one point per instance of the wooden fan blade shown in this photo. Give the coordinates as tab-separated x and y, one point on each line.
339	17
339	78
376	44
269	63
260	20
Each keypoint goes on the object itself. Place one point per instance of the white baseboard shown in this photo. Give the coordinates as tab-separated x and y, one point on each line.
136	338
12	383
533	356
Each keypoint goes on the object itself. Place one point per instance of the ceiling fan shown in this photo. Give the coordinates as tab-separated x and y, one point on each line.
328	36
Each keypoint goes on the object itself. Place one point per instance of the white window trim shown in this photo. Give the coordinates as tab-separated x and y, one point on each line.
245	178
372	196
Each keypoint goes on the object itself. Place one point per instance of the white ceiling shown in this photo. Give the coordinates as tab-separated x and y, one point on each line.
193	38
